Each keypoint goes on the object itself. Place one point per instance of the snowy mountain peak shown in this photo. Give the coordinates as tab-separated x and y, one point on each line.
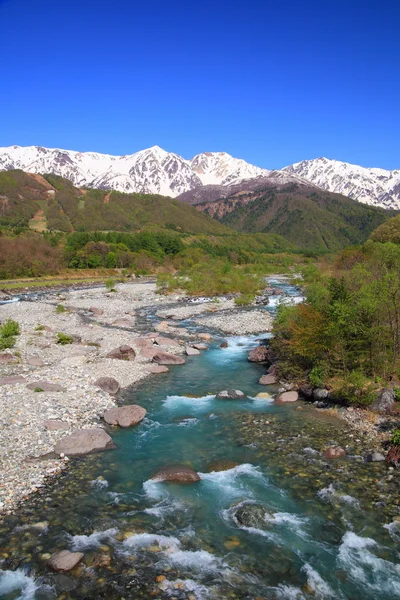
220	168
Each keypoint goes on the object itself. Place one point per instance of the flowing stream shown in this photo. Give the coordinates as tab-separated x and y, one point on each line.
307	538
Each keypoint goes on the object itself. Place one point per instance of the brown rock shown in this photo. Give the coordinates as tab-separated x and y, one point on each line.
45	386
205	336
267	380
287	397
12	380
55	424
163	358
181	474
393	457
122	353
259	354
334	452
149	352
223	344
6	358
64	561
123	322
165	341
191	351
84	441
125	416
200	346
96	311
221	465
157	369
108	384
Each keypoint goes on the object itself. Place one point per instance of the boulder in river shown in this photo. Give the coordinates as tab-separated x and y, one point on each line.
180	474
165	341
267	380
200	346
123	322
64	561
334	452
223	344
108	384
287	397
320	394
251	515
230	395
205	336
384	402
163	358
189	351
125	416
156	369
84	441
260	354
124	352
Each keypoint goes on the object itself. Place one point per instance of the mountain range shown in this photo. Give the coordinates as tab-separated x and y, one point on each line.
207	176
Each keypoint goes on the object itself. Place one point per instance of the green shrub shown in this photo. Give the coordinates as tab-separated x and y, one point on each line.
396	437
64	339
40	328
60	309
396	392
110	284
318	375
38	389
7	342
244	299
9	328
356	389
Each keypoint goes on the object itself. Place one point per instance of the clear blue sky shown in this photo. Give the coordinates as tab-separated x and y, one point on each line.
270	82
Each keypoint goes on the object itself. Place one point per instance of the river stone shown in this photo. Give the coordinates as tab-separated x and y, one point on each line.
124	352
165	341
306	391
230	395
45	386
55	424
108	384
259	354
181	474
96	311
334	452
34	361
223	345
221	465
191	351
264	395
84	441
125	416
320	394
157	369
163	358
12	380
375	457
287	397
384	402
267	380
200	346
204	336
251	515
123	322
64	561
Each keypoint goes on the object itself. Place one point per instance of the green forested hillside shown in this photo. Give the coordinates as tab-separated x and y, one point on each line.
309	218
388	231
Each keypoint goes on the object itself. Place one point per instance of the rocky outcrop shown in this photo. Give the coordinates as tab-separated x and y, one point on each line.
384	402
180	474
267	380
334	452
125	416
251	515
230	395
84	441
108	384
122	353
6	358
163	358
261	354
64	561
287	397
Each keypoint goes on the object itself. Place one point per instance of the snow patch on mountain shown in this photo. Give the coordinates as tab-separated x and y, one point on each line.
219	168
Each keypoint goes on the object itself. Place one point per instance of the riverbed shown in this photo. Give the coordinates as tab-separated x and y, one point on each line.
316	533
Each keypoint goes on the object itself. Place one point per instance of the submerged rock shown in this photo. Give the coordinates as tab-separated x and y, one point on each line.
230	395
223	345
222	465
64	561
125	416
108	384
251	515
84	441
181	474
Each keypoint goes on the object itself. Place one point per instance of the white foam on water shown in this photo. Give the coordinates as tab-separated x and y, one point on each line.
99	483
17	581
200	561
85	542
232	482
288	592
329	494
154	490
196	404
278	299
284	518
174	588
394	530
164	508
319	586
375	574
188	422
166	543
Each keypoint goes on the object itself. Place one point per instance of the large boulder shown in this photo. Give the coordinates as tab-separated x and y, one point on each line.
287	397
163	358
200	346
251	515
189	351
124	352
230	395
84	441
384	402
267	380
261	354
108	384
45	386
180	474
204	336
306	391
320	394
64	561
157	369
125	416
165	341
334	452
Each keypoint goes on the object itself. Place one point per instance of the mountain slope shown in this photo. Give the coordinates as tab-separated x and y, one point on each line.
376	187
61	206
309	218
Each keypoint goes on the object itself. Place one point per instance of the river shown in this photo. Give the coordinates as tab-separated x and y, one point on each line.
148	539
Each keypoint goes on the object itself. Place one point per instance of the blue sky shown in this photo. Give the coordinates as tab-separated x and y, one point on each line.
270	82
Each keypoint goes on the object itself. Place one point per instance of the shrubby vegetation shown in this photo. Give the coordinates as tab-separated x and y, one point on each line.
8	333
347	333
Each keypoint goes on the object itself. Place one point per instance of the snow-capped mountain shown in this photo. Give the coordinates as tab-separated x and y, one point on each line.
376	187
152	171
